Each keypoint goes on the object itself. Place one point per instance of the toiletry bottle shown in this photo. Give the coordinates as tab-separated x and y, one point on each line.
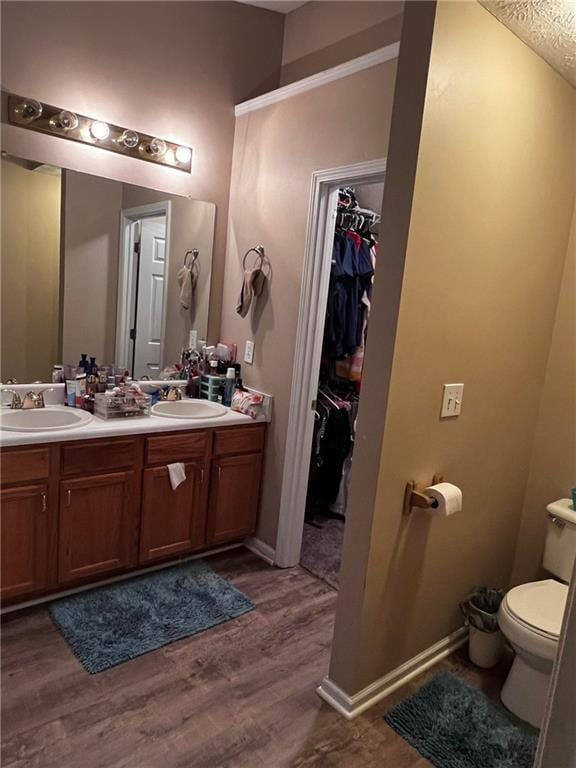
83	364
92	367
229	387
57	374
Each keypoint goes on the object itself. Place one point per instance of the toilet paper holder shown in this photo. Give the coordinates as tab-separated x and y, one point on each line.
415	498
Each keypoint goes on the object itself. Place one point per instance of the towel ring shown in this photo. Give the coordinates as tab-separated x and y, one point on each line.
259	251
195	253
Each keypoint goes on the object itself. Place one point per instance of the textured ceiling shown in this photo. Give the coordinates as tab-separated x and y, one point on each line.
547	26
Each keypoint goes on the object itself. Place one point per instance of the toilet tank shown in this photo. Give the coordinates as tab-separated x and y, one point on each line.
560	547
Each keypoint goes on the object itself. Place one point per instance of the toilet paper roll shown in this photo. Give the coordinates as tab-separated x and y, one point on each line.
448	497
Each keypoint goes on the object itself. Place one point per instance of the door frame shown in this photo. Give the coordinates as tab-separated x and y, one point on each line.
127	275
308	351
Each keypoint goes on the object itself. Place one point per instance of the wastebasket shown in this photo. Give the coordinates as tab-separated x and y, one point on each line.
481	612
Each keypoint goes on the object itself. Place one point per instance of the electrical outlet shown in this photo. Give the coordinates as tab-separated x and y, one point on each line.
192	339
249	352
452	400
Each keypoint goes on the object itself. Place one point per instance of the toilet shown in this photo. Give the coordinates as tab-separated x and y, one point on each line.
530	617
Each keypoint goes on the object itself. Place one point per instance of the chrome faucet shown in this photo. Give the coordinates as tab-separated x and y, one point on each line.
33	400
16	401
174	393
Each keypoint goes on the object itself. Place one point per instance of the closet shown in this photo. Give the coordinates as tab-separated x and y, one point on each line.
354	260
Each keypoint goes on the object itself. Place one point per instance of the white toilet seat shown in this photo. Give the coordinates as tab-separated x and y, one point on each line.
531	617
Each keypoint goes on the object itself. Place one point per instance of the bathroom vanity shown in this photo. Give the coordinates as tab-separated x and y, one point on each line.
89	505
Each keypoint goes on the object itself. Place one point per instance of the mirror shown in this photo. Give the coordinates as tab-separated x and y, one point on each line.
92	265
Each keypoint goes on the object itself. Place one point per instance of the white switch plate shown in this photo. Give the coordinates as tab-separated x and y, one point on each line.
249	352
452	400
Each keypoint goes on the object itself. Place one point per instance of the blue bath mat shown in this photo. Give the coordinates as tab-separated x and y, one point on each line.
455	725
110	625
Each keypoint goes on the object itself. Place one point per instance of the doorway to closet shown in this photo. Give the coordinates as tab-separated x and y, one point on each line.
341	258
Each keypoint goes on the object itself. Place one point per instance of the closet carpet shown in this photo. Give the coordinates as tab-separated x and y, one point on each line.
241	695
321	551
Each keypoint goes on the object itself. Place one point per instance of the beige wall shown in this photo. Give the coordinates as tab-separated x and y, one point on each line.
491	214
553	465
275	152
172	69
30	273
319	35
91	264
192	226
90	242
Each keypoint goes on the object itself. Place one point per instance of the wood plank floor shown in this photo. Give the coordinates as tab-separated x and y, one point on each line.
241	695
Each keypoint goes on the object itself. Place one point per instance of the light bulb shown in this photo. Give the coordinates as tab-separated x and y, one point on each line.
99	130
157	147
129	138
64	121
29	109
183	155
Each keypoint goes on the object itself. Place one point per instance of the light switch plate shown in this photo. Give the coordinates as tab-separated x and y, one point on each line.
249	352
452	400
192	339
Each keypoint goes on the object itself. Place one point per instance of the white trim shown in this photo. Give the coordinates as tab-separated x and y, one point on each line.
380	56
126	275
352	706
308	351
261	549
113	579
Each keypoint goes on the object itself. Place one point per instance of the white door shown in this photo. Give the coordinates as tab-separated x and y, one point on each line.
150	298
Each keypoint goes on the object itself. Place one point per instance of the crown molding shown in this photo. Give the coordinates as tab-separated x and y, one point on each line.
373	59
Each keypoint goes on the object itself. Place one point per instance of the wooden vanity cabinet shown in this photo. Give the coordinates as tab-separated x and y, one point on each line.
173	521
27	522
24	531
77	512
98	526
235	484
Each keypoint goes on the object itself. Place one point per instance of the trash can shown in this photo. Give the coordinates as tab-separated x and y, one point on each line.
480	610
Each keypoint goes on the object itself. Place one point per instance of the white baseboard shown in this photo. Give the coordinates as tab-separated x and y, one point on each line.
261	549
352	706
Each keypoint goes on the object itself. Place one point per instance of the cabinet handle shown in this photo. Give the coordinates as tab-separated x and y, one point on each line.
68	497
202	476
44	503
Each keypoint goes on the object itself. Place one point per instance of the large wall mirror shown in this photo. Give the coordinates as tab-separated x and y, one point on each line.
92	265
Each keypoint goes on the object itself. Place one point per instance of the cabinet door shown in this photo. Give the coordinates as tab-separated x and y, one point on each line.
234	495
98	525
173	521
24	531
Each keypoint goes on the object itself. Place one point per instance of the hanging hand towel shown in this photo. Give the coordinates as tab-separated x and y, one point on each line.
252	284
185	281
177	474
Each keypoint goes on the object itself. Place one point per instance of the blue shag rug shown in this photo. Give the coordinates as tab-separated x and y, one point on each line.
111	625
455	725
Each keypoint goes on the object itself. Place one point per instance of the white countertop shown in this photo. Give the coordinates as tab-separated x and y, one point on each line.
140	425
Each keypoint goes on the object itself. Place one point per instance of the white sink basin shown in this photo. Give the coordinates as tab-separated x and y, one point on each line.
189	409
46	419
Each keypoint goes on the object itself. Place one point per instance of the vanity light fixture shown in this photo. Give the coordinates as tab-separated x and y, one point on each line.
28	109
129	139
55	121
183	155
64	121
99	130
156	147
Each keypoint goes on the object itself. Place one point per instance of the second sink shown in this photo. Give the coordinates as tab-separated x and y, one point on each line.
189	409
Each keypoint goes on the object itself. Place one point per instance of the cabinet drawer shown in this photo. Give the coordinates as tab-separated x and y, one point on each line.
179	447
98	456
243	440
21	466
